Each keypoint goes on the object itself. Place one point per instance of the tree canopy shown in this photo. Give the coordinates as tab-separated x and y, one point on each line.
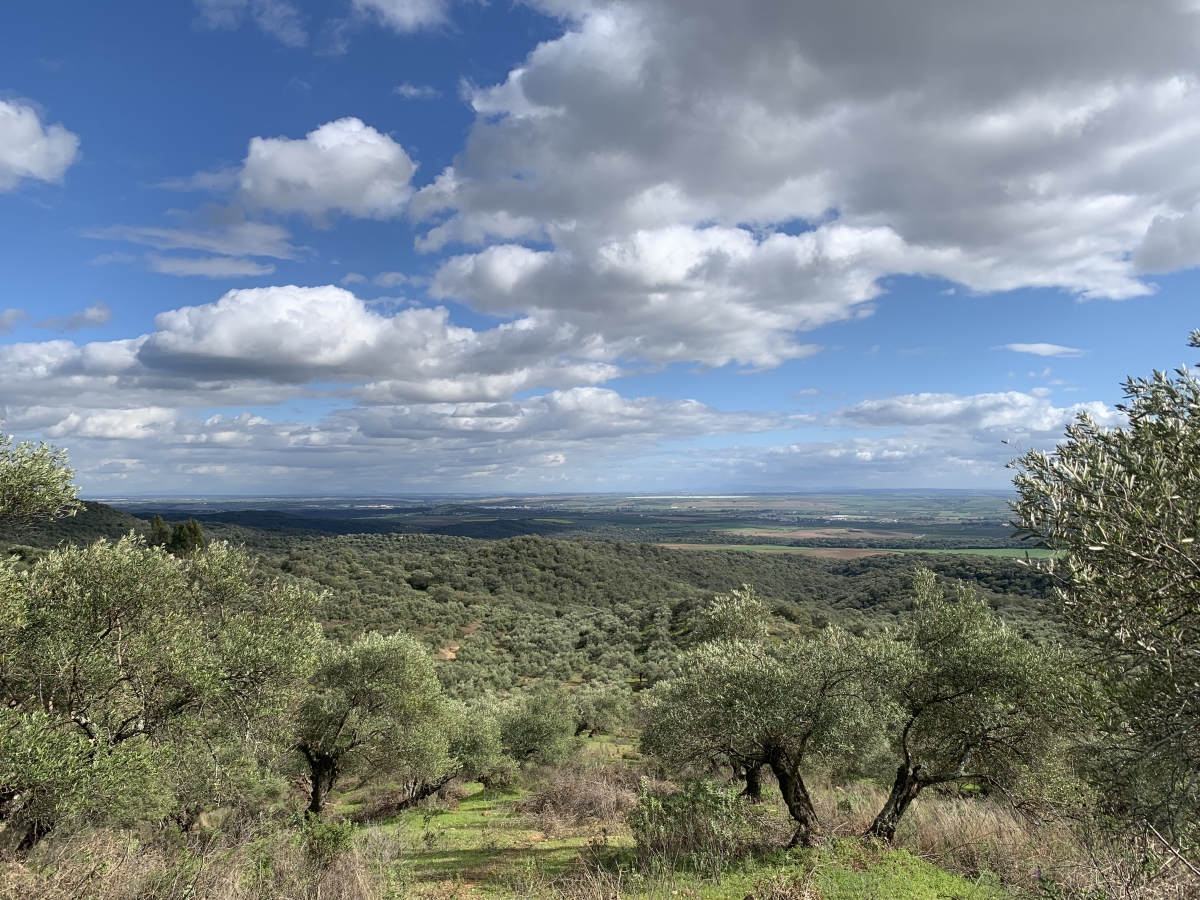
117	651
374	705
971	701
35	482
1122	508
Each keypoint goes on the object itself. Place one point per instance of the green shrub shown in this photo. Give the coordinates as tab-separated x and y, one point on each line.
327	842
701	826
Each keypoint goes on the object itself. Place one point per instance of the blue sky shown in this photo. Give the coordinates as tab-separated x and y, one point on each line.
282	246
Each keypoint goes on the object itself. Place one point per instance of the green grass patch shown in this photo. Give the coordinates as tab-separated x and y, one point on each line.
1020	553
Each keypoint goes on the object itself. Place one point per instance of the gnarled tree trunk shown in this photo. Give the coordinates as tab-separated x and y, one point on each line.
323	770
799	804
904	791
753	777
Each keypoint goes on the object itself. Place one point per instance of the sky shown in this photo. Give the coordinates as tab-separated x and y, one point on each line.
280	247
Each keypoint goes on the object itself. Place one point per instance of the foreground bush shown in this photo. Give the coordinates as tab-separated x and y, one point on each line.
701	826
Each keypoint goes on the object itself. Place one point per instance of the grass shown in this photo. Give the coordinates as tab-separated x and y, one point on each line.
556	836
484	843
486	849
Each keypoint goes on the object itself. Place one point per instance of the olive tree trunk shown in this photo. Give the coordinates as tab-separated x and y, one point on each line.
904	791
323	770
799	804
753	777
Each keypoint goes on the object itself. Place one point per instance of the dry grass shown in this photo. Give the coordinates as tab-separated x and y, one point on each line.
574	795
971	836
255	863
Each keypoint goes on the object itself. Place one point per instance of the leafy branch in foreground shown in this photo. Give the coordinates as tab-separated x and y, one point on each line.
35	483
118	662
1122	507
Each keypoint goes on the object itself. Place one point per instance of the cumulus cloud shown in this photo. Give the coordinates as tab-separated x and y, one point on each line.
29	149
263	345
998	147
341	167
1044	349
711	294
277	18
404	16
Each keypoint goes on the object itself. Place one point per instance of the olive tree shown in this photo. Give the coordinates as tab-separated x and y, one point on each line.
120	652
789	708
1121	506
602	707
477	746
374	707
738	615
35	483
539	726
971	700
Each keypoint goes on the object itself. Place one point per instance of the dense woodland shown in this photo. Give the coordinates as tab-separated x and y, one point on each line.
508	611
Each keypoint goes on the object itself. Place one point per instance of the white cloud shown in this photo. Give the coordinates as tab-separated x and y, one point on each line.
10	319
92	317
1044	349
207	266
404	16
580	437
277	18
995	146
237	239
559	436
343	166
264	345
1009	414
30	150
416	91
711	294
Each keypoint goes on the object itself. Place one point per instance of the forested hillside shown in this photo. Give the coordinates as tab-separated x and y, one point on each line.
503	612
507	611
